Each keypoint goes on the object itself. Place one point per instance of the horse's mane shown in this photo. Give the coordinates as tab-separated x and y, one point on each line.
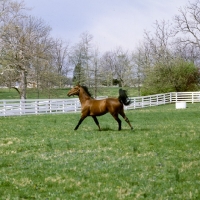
86	90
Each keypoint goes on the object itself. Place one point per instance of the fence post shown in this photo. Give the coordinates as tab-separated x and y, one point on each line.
4	106
20	107
143	103
157	99
164	97
133	102
150	101
63	102
50	106
75	106
36	107
192	97
170	96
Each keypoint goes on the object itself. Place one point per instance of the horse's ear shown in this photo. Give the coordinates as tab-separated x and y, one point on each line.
78	84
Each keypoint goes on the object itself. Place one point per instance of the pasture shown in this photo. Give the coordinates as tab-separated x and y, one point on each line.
42	157
61	93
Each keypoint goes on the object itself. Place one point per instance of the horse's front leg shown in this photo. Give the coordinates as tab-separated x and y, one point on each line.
96	121
80	121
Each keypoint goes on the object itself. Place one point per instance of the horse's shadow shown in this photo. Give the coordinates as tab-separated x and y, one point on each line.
110	129
125	129
107	129
143	129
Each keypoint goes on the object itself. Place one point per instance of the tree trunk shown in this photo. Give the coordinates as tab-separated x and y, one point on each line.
23	84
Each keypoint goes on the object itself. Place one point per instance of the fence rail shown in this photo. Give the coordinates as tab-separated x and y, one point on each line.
45	106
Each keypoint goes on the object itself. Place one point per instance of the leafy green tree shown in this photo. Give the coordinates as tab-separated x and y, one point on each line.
78	74
177	75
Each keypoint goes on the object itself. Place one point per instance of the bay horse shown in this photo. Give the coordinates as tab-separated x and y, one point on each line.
92	107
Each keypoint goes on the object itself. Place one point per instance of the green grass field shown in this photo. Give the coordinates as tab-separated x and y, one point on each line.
6	93
42	157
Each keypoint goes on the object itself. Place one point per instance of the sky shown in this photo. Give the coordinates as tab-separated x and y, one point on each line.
112	23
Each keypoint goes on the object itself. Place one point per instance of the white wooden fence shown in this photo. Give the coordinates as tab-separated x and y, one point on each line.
43	106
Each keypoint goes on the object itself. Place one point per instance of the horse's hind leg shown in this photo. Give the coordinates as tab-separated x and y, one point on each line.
125	118
96	121
118	120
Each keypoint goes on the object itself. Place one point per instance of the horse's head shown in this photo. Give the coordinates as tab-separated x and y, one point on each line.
74	91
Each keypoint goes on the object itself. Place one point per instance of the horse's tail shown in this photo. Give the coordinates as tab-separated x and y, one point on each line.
123	98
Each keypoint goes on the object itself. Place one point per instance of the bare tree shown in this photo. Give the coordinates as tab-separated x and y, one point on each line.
187	30
10	13
167	67
123	67
117	66
159	42
108	68
140	60
61	60
188	24
80	58
97	73
24	40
